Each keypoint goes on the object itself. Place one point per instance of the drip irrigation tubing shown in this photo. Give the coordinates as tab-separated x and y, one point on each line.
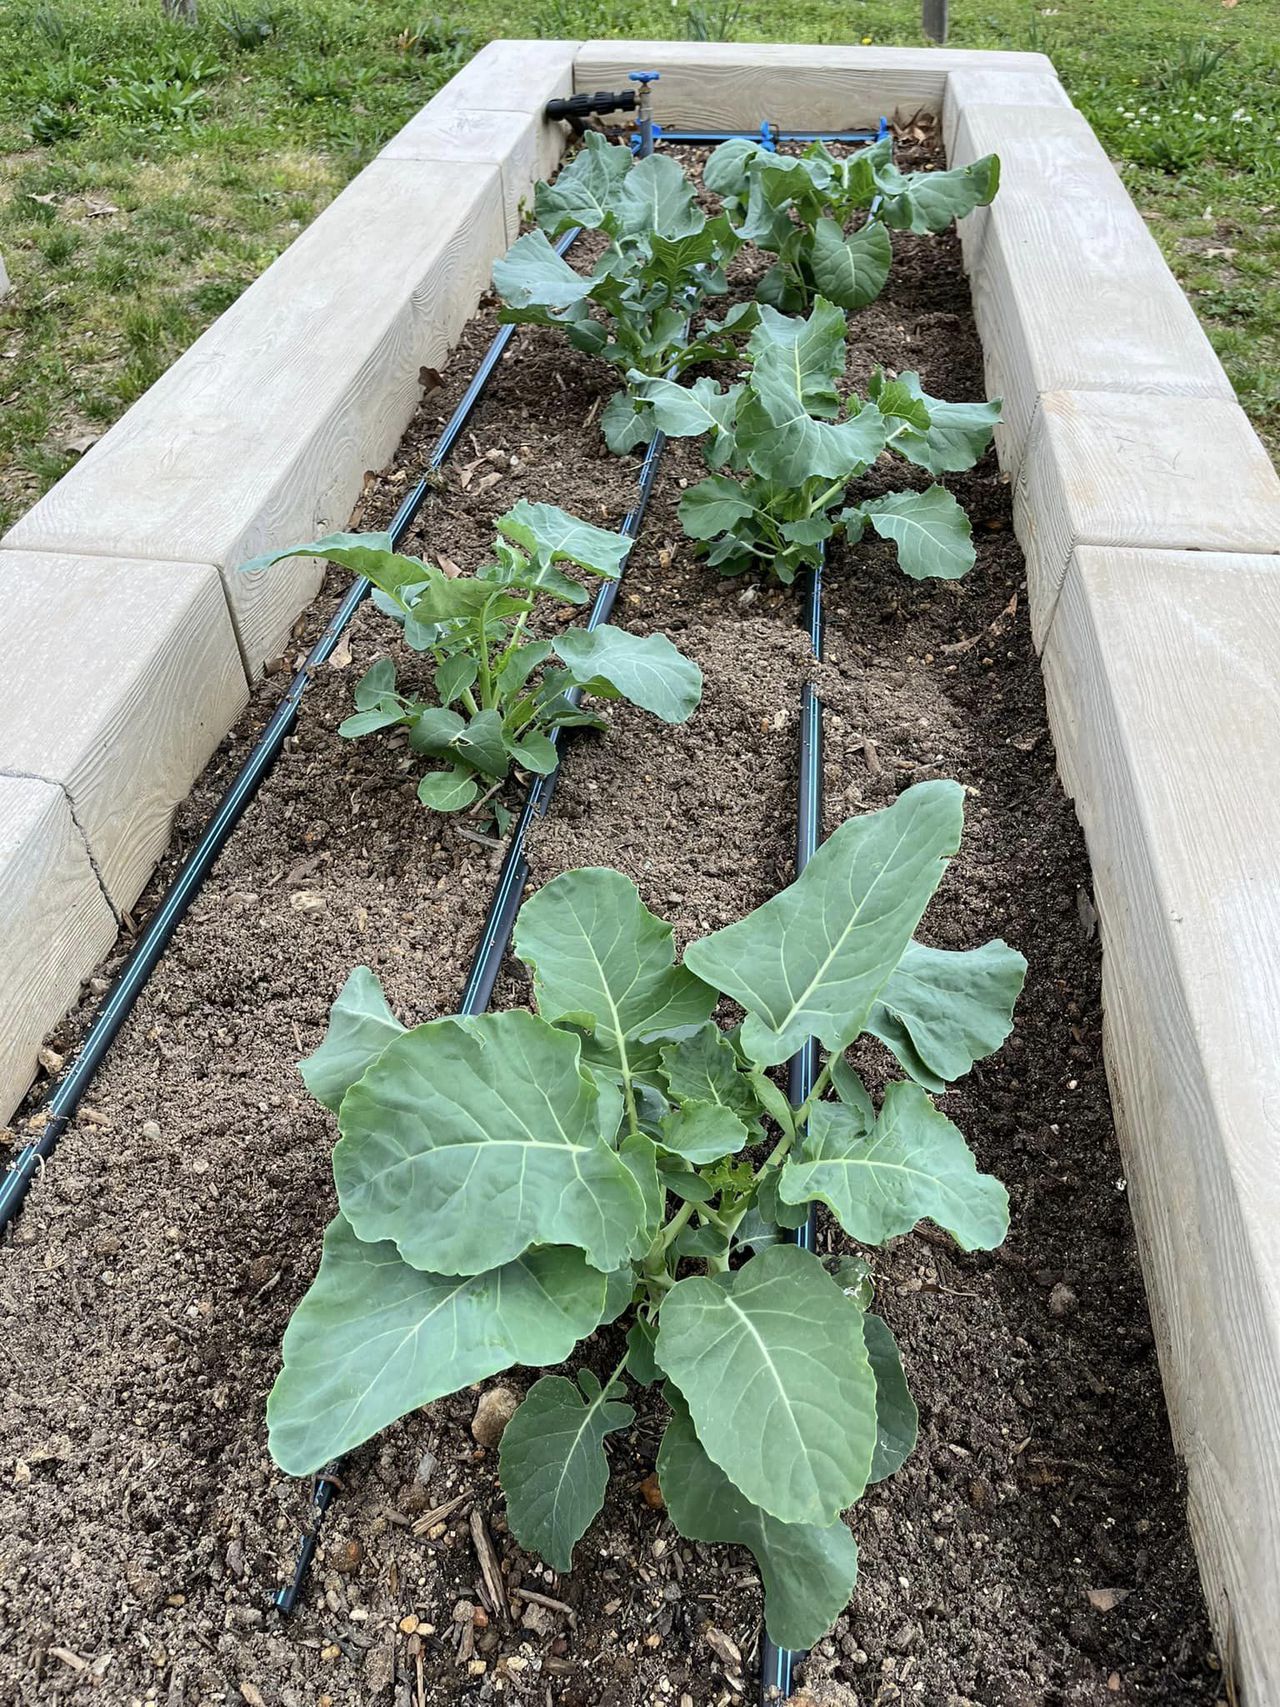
770	135
777	1665
59	1106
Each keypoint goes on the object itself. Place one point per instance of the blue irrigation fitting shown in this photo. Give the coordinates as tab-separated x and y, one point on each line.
644	109
694	137
769	137
883	128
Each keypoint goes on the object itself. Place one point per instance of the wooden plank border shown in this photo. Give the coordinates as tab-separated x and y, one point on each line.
1159	660
123	579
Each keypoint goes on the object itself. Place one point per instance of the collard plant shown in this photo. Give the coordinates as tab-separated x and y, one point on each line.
507	1185
797	448
801	208
664	256
501	694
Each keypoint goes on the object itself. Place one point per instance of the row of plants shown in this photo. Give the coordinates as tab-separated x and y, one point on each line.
617	1158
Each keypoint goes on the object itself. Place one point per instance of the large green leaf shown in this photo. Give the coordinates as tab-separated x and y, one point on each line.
360	1027
585	192
952	438
897	1419
552	1462
688	411
433	596
656	196
532	275
704	1068
601	959
850	270
639	1153
703	1132
941	1010
468	1141
784	444
808	1570
374	1339
929	528
714	506
811	961
914	1166
804	355
554	536
929	201
644	668
773	1367
726	170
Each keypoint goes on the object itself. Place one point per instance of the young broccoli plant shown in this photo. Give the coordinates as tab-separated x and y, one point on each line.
508	1185
800	208
785	429
500	699
664	256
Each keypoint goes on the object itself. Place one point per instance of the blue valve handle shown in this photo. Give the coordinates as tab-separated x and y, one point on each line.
644	115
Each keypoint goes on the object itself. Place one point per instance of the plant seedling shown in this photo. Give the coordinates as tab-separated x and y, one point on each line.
510	1184
800	208
785	430
664	256
500	701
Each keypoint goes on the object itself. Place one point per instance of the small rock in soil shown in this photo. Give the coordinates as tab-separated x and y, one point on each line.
345	1556
1062	1301
494	1411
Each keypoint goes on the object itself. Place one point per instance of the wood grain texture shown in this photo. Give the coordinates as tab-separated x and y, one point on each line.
55	924
1165	703
492	111
261	433
1070	291
977	86
1105	468
737	85
994	125
121	678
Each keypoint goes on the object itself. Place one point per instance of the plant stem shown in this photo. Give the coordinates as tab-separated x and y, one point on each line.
482	658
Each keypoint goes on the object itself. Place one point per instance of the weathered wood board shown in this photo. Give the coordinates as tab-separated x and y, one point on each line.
977	86
261	433
1070	291
121	677
491	111
55	924
1165	702
1115	468
737	86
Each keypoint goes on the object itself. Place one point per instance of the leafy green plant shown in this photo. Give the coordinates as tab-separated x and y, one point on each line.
247	30
158	102
499	699
53	124
663	257
509	1184
800	208
437	35
717	20
797	448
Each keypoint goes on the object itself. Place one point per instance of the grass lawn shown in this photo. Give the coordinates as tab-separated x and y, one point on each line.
150	170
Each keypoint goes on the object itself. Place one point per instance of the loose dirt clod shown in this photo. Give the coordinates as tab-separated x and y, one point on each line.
496	1407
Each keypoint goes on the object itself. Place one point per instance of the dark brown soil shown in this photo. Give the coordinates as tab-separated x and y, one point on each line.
1033	1551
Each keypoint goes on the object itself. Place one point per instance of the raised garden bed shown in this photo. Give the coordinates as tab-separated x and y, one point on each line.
187	1203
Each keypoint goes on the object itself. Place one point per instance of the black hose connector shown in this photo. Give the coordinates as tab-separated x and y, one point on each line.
575	108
